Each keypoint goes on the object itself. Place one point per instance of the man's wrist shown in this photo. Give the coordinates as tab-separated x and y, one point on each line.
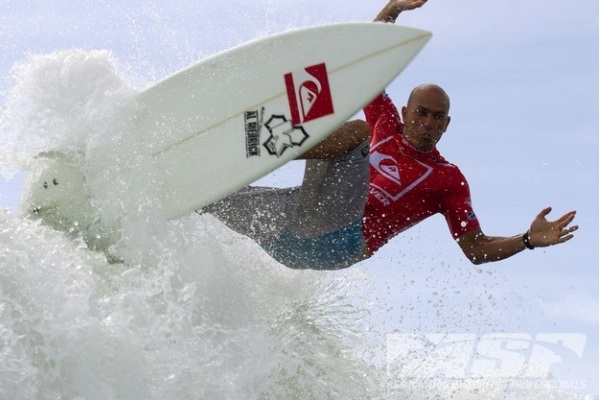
527	241
390	12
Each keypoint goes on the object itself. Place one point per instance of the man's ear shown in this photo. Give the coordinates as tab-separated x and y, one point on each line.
403	112
447	123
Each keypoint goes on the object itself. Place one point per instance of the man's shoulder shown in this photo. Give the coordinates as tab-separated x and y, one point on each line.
437	158
380	106
451	169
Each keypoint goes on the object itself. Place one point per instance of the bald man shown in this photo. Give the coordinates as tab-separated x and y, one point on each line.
371	180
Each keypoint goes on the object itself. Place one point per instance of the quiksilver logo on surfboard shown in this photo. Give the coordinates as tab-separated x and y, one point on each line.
309	94
309	98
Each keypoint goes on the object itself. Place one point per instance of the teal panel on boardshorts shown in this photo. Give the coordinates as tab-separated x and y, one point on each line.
331	251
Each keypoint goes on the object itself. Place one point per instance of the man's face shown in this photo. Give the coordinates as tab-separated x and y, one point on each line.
426	118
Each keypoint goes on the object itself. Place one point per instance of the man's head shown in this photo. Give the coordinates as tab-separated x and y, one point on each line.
425	116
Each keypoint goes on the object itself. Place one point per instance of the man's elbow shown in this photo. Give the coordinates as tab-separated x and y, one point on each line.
474	251
478	258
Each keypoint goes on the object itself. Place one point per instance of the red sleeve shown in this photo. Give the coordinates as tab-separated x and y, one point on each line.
382	116
458	209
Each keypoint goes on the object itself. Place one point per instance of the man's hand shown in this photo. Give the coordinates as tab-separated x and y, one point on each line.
543	233
406	5
394	7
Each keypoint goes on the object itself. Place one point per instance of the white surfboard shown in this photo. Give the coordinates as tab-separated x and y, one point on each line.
230	119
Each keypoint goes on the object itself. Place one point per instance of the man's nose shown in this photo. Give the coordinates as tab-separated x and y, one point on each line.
429	121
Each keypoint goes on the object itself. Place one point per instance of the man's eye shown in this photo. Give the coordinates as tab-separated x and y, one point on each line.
421	113
439	117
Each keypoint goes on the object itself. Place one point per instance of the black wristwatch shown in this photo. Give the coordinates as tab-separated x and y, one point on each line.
526	241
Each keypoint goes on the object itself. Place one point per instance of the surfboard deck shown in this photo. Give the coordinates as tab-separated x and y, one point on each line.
221	124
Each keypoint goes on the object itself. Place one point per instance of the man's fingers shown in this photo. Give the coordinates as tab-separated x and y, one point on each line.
566	219
544	212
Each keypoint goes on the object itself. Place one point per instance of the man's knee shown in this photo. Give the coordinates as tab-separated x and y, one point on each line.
342	141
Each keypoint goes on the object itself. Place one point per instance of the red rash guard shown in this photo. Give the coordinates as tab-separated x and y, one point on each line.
406	185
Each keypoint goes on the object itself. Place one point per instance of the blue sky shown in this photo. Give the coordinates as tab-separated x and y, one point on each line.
523	80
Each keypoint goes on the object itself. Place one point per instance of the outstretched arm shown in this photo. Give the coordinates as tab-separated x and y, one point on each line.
390	12
480	248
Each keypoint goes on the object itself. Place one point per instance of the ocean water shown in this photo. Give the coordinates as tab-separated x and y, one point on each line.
178	310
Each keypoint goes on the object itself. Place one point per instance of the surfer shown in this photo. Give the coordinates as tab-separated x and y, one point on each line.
371	180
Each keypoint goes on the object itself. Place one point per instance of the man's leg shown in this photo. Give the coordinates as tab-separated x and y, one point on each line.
325	230
317	225
342	141
332	195
261	213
